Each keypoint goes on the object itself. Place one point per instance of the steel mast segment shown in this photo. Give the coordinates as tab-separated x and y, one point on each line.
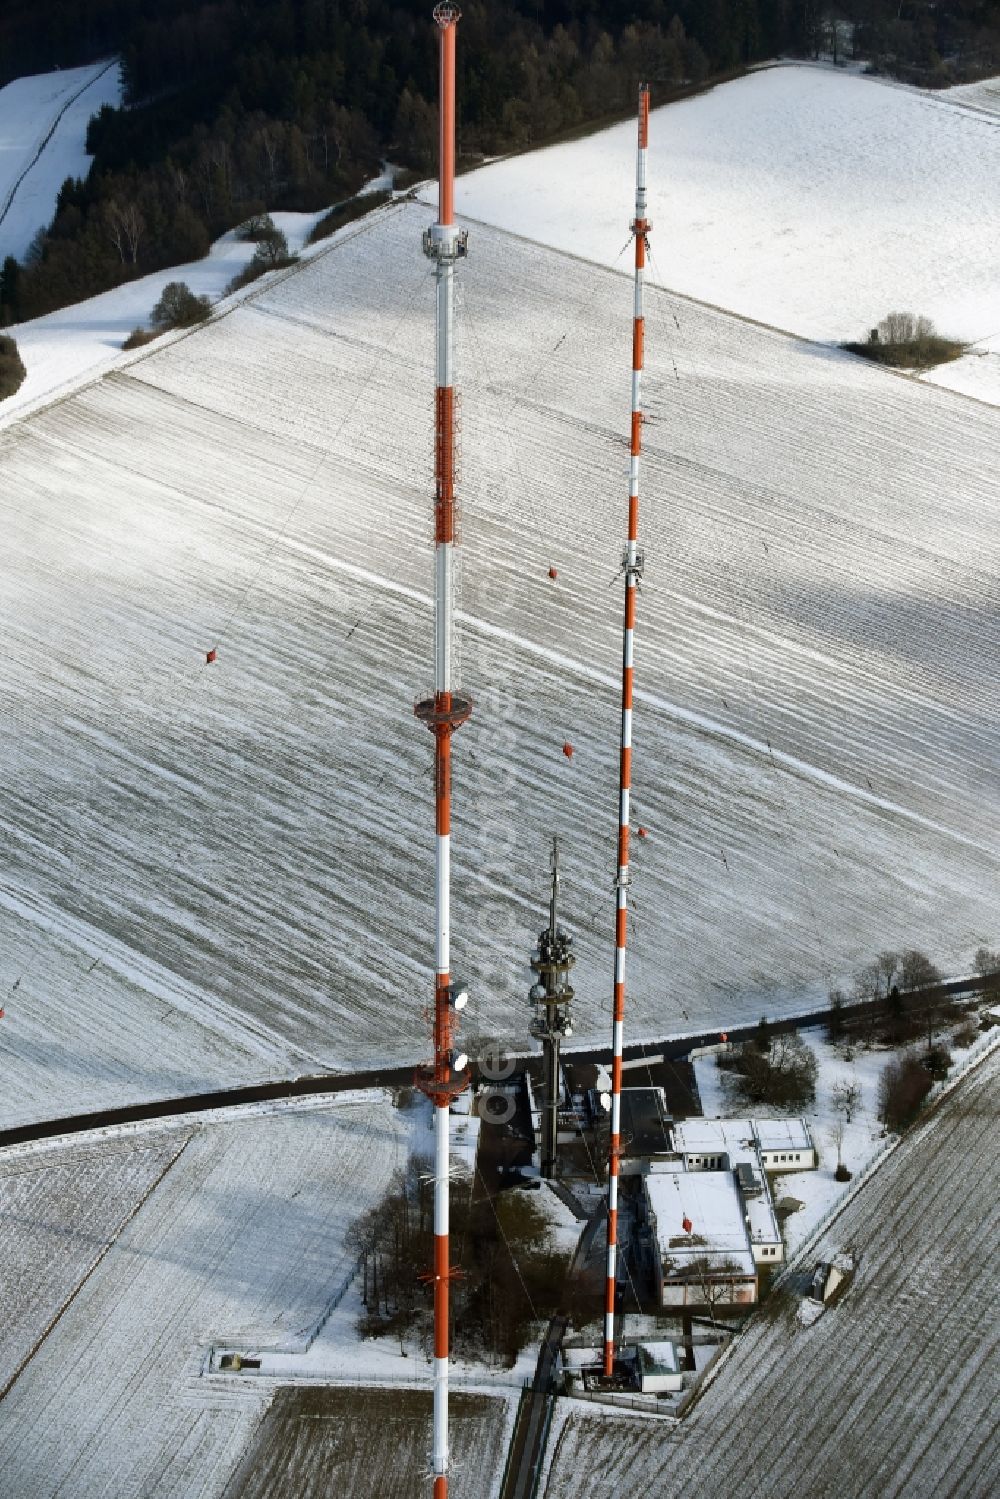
632	563
444	243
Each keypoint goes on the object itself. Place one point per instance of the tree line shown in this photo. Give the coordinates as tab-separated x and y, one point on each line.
500	1247
233	106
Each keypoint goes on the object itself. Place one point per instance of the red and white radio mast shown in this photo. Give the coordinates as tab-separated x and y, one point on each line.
443	713
632	564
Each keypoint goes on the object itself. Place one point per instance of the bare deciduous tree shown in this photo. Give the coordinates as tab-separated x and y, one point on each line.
715	1277
836	1136
846	1098
903	328
916	971
125	226
987	961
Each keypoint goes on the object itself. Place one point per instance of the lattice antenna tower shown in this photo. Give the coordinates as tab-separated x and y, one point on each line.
632	563
447	1075
552	994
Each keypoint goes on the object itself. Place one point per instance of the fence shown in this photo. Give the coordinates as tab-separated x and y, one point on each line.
543	1442
647	1404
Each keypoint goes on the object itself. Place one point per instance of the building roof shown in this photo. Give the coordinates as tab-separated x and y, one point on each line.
740	1139
732	1137
659	1357
711	1203
763	1224
783	1134
645	1122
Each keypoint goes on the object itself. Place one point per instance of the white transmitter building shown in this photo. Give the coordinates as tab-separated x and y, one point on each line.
709	1211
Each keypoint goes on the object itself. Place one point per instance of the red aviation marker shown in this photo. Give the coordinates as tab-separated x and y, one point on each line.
632	563
447	1075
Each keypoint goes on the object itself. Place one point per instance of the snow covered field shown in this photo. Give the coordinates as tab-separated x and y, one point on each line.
76	342
225	869
813	200
318	1442
242	1240
982	95
59	1212
43	129
888	1393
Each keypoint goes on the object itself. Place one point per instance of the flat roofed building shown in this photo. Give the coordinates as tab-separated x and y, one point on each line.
659	1368
722	1144
703	1253
785	1144
715	1144
766	1243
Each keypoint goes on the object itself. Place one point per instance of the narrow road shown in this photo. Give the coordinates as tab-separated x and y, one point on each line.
8	201
528	1441
316	1084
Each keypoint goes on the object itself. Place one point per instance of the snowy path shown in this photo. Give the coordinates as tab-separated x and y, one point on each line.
43	127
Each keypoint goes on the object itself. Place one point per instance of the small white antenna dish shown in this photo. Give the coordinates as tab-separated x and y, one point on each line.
605	1101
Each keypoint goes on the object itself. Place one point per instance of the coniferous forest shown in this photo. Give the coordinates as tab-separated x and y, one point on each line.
232	106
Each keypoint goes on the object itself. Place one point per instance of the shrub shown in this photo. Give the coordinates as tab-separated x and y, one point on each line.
987	961
902	1087
905	341
937	1060
784	1075
178	307
256	268
255	227
12	370
344	213
139	337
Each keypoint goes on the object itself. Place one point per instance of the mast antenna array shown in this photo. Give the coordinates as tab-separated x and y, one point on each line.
447	1076
632	564
552	994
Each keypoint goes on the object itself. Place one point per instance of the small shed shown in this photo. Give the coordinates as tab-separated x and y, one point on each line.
659	1369
831	1276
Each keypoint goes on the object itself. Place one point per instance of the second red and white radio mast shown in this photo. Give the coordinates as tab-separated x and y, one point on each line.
632	562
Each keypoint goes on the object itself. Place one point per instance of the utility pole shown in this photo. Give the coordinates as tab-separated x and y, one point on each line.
447	1076
632	563
551	995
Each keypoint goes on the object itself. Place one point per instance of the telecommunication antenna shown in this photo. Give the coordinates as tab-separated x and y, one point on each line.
551	995
632	563
447	1076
